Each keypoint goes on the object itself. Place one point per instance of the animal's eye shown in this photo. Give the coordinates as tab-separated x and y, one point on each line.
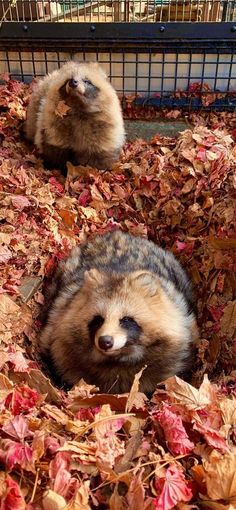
95	324
87	82
128	323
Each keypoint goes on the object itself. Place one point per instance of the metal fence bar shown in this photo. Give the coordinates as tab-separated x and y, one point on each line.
138	11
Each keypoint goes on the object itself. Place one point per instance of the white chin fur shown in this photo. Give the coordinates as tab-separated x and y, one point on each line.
119	342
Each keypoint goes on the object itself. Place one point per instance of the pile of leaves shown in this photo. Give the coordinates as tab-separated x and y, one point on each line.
83	450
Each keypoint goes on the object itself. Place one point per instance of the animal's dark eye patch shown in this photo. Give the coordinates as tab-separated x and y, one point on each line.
95	324
88	82
130	325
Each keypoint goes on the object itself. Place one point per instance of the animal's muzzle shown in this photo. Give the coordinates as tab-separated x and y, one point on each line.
73	83
105	342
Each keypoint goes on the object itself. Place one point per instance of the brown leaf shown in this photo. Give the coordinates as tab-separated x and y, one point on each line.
37	380
131	448
80	501
136	493
117	402
117	502
228	409
7	305
135	398
54	412
6	386
62	109
188	186
189	396
228	321
222	244
220	476
69	218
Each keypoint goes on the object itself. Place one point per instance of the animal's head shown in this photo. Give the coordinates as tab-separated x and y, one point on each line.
85	85
123	316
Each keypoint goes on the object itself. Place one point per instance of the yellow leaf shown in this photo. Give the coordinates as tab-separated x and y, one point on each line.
53	501
220	476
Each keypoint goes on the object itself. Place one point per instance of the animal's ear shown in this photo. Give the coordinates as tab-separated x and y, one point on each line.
96	66
148	281
93	277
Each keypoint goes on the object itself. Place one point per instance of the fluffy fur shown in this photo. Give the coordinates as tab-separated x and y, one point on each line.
127	289
87	128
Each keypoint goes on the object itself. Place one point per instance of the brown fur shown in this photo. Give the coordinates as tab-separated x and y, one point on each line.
116	276
92	130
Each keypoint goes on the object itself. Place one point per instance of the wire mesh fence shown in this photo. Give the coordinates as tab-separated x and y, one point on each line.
157	51
166	77
118	10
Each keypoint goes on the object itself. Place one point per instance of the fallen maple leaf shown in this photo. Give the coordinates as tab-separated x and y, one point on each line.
117	502
228	321
11	497
20	202
213	437
12	453
220	476
53	501
189	396
172	489
62	109
136	493
59	473
5	254
109	446
22	399
135	398
17	428
174	431
6	387
81	499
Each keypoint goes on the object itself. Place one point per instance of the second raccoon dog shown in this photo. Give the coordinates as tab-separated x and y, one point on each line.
89	130
116	304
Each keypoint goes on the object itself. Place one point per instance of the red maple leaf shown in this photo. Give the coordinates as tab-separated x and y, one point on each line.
62	481
13	453
22	399
17	428
11	497
175	433
213	437
172	489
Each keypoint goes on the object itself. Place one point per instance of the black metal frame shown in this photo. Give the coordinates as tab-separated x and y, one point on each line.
148	38
43	33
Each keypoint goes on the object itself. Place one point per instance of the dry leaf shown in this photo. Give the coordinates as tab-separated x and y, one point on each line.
190	396
134	395
53	501
228	321
62	109
81	499
117	502
221	469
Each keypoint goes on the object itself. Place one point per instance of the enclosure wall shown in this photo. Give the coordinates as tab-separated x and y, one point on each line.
167	64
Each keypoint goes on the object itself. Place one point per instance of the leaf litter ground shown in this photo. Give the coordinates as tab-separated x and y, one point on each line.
83	450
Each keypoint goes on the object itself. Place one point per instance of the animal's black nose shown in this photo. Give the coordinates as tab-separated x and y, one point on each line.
105	342
73	83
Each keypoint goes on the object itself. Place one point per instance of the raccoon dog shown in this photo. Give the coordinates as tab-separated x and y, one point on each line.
74	115
116	304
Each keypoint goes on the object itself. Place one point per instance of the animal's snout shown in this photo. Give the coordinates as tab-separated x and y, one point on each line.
73	83
105	342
